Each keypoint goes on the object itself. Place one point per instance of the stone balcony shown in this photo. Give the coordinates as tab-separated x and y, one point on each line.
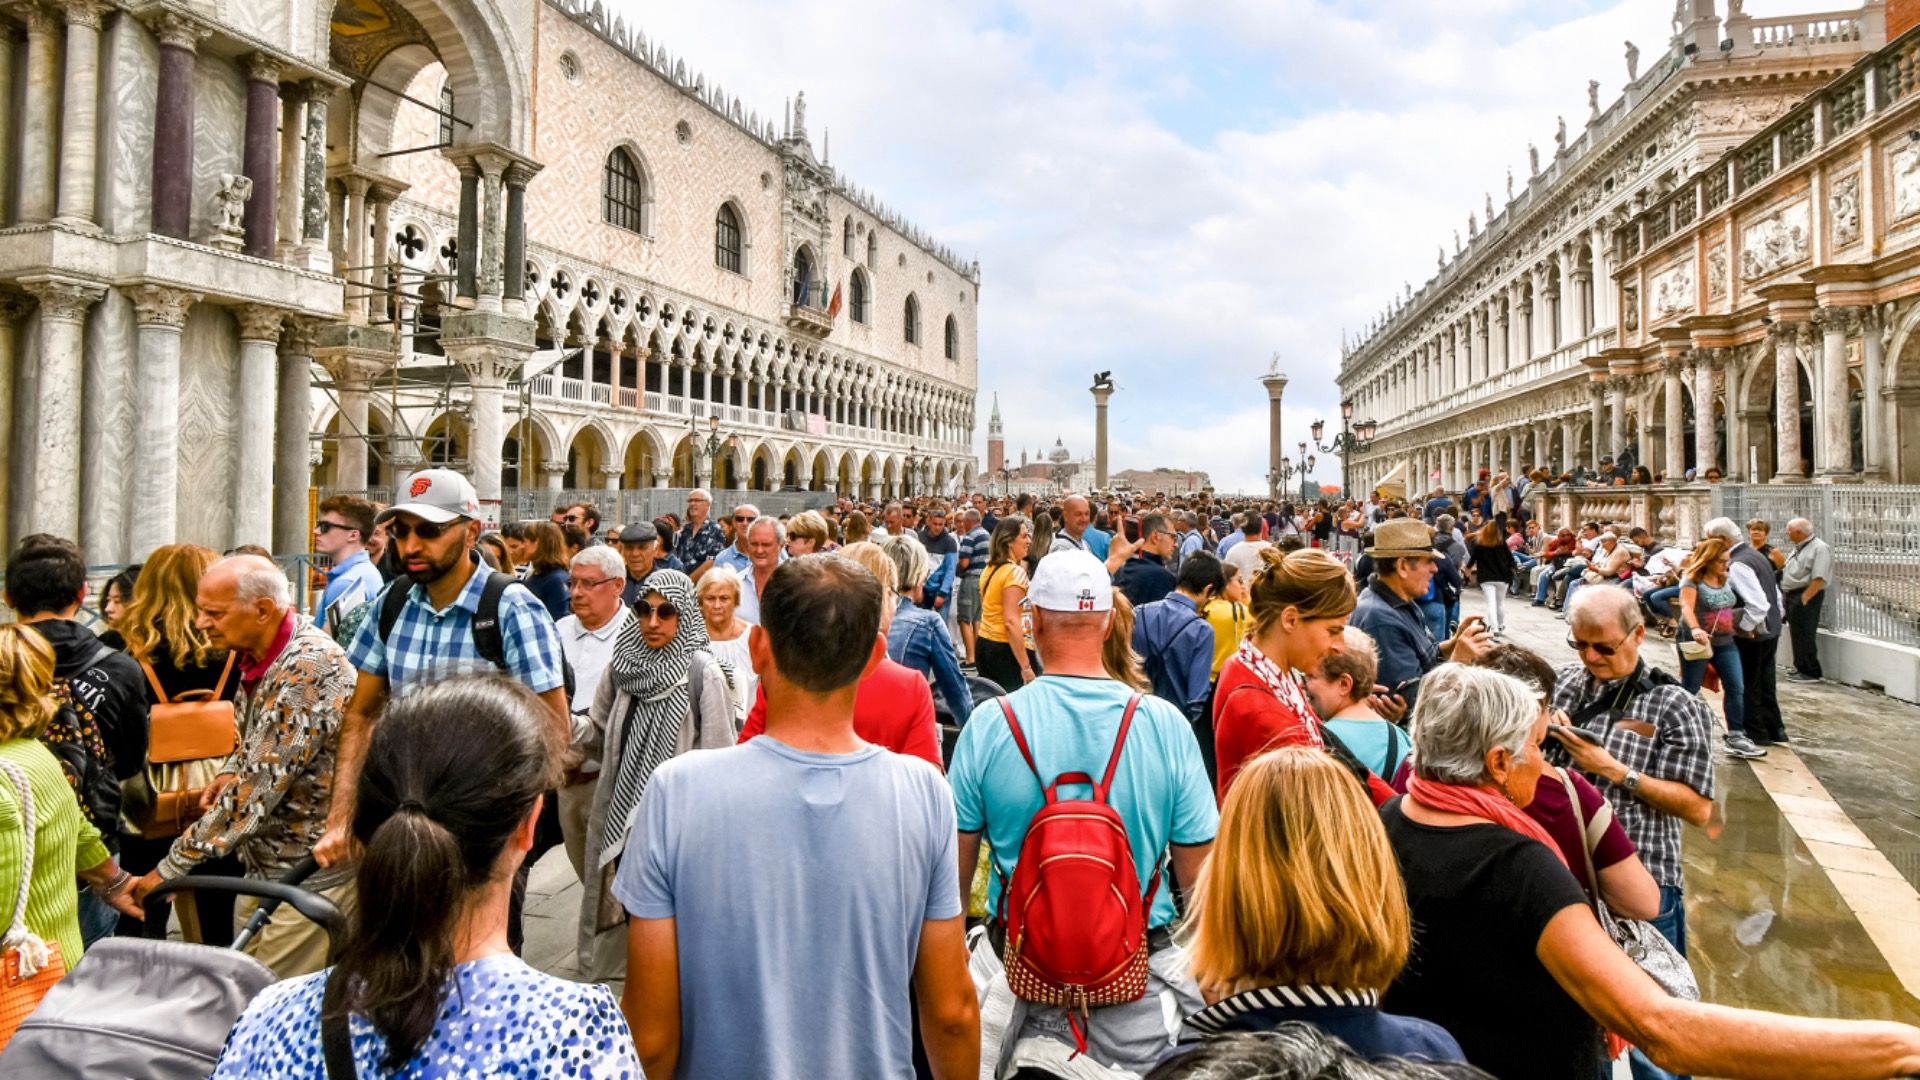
809	320
1673	513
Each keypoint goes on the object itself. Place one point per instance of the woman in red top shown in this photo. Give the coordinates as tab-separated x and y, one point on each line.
1300	601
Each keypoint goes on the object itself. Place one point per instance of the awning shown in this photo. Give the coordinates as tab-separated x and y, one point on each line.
1394	484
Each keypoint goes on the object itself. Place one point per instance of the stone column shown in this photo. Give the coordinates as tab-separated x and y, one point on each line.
1872	356
354	229
1276	385
1786	395
380	201
1617	415
56	460
1836	421
9	150
263	100
354	385
293	169
80	113
1706	447
1513	452
12	307
515	287
492	168
1674	448
40	129
1101	392
467	237
1597	422
256	399
152	520
313	179
337	211
556	473
292	445
610	478
173	127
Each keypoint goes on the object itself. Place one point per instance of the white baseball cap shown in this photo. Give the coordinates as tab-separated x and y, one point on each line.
1071	580
434	495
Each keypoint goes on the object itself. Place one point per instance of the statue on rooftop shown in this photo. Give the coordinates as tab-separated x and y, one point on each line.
1593	99
1560	136
1633	61
1533	160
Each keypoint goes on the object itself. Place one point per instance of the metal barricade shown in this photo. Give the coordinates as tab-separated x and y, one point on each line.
1874	531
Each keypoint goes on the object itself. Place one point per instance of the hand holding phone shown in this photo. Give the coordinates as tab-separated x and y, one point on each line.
1568	731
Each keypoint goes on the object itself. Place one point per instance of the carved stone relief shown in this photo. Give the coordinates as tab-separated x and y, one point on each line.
1775	242
1717	274
1844	211
1906	181
1673	290
1631	315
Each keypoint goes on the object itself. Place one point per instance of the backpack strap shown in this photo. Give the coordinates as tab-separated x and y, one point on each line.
159	691
487	639
392	602
219	688
336	1041
1119	743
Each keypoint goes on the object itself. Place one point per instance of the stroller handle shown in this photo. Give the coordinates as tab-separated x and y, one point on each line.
272	894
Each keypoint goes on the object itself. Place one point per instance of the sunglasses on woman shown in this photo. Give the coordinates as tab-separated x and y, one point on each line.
663	610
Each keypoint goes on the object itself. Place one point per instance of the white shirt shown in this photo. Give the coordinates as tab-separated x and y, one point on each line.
1755	605
589	651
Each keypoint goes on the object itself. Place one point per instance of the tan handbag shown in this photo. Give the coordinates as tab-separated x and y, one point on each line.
188	737
28	966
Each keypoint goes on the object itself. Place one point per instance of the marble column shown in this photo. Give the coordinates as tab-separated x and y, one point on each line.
1674	446
292	445
556	472
378	256
355	389
263	113
1569	451
1617	416
9	152
1786	395
1836	420
1100	395
12	307
1597	423
293	169
1276	385
173	125
1706	446
255	400
1513	452
467	237
337	211
56	460
1872	357
152	520
491	225
40	109
80	113
486	434
354	228
610	478
313	181
514	288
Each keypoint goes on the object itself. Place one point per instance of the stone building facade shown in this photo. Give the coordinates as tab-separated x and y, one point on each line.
1735	204
253	249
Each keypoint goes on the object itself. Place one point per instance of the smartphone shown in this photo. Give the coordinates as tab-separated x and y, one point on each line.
1400	689
1582	734
1131	526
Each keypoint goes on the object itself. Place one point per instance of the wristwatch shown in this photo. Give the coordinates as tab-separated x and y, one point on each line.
1631	781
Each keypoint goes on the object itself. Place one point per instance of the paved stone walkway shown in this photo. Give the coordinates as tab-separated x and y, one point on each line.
1800	893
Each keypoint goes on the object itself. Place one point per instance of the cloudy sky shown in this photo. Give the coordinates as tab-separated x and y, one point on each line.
1176	190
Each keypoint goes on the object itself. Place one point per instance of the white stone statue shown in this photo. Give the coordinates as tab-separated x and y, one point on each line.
1473	224
1456	241
1736	9
1509	183
1560	136
1633	61
800	113
1490	202
1533	160
1593	98
235	190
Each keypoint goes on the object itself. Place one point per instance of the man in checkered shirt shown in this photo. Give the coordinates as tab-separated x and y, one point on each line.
434	533
1656	762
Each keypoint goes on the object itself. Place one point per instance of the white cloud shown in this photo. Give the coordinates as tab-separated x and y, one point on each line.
1131	215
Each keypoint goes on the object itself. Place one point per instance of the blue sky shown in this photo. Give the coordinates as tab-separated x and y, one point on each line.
1176	190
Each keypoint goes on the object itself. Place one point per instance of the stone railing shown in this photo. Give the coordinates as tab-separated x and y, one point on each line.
1672	513
1835	31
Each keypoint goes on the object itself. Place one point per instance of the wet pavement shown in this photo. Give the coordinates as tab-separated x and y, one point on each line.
1800	896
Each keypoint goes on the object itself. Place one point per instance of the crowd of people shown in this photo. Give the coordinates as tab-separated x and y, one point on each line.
1165	787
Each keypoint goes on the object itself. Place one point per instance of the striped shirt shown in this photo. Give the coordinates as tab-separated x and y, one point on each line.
426	643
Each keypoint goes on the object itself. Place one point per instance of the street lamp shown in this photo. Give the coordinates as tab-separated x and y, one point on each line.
1352	439
715	442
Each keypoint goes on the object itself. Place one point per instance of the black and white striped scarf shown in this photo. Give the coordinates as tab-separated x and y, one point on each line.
657	682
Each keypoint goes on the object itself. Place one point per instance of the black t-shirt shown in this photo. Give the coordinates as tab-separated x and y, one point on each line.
1480	897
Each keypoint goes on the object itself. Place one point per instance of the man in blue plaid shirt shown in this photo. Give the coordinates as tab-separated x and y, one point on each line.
434	533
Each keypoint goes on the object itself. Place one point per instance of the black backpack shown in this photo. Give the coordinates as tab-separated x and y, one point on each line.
73	736
487	640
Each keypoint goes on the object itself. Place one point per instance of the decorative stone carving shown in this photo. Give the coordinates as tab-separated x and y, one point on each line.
1633	61
1906	181
157	305
64	301
1630	315
1673	290
1844	211
1743	114
1775	242
1717	274
235	190
259	323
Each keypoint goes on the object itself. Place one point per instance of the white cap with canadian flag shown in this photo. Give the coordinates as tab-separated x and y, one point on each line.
1071	580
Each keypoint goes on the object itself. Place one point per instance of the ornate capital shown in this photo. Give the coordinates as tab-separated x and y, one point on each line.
41	20
554	468
175	29
64	301
264	68
1842	318
158	305
87	13
298	337
259	322
316	92
613	472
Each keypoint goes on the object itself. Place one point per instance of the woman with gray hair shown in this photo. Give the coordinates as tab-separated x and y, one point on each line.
918	638
1499	918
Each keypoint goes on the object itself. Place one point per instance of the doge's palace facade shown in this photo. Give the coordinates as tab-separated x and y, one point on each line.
249	249
1552	338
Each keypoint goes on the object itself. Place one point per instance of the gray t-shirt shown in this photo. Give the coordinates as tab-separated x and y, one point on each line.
797	883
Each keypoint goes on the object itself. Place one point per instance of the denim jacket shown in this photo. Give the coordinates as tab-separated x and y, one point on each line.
918	639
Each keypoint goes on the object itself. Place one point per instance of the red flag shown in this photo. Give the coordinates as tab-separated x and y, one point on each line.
833	305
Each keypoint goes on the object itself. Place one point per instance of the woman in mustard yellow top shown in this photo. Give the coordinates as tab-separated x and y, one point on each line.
1003	589
1227	614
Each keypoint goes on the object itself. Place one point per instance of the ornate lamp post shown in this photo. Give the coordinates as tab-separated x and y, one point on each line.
1352	439
715	443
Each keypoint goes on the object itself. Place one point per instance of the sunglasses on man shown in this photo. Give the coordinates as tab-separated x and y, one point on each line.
425	530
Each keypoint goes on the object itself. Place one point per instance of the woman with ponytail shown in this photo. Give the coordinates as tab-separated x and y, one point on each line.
447	802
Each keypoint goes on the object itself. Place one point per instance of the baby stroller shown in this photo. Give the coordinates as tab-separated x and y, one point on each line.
158	1009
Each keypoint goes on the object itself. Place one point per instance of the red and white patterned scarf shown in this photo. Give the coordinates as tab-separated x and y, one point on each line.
1284	685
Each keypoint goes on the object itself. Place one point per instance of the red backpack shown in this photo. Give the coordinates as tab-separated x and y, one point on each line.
1075	921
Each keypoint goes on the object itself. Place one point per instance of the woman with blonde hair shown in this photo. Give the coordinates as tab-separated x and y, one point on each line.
1300	601
807	533
1116	652
719	594
161	631
1300	915
1705	636
65	843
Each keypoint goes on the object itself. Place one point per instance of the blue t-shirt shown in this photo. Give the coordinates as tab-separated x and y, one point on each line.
350	583
1373	742
1160	789
1097	542
798	883
500	1018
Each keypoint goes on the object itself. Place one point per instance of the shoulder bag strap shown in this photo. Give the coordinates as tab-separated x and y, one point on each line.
17	925
1586	845
336	1041
153	680
220	688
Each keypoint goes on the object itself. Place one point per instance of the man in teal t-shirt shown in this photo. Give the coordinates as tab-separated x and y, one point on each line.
1070	717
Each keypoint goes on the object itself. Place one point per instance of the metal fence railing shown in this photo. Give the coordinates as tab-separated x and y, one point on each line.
1874	530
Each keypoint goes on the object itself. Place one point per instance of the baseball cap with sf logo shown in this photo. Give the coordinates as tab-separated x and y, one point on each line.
1071	581
435	495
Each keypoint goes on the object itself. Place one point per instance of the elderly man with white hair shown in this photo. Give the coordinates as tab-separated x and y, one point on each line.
765	543
1803	583
1756	631
269	802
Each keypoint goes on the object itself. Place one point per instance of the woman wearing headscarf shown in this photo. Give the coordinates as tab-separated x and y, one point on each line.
664	693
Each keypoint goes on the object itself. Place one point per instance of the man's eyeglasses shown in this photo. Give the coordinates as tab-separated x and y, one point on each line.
1603	649
326	527
743	519
578	584
425	530
663	610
